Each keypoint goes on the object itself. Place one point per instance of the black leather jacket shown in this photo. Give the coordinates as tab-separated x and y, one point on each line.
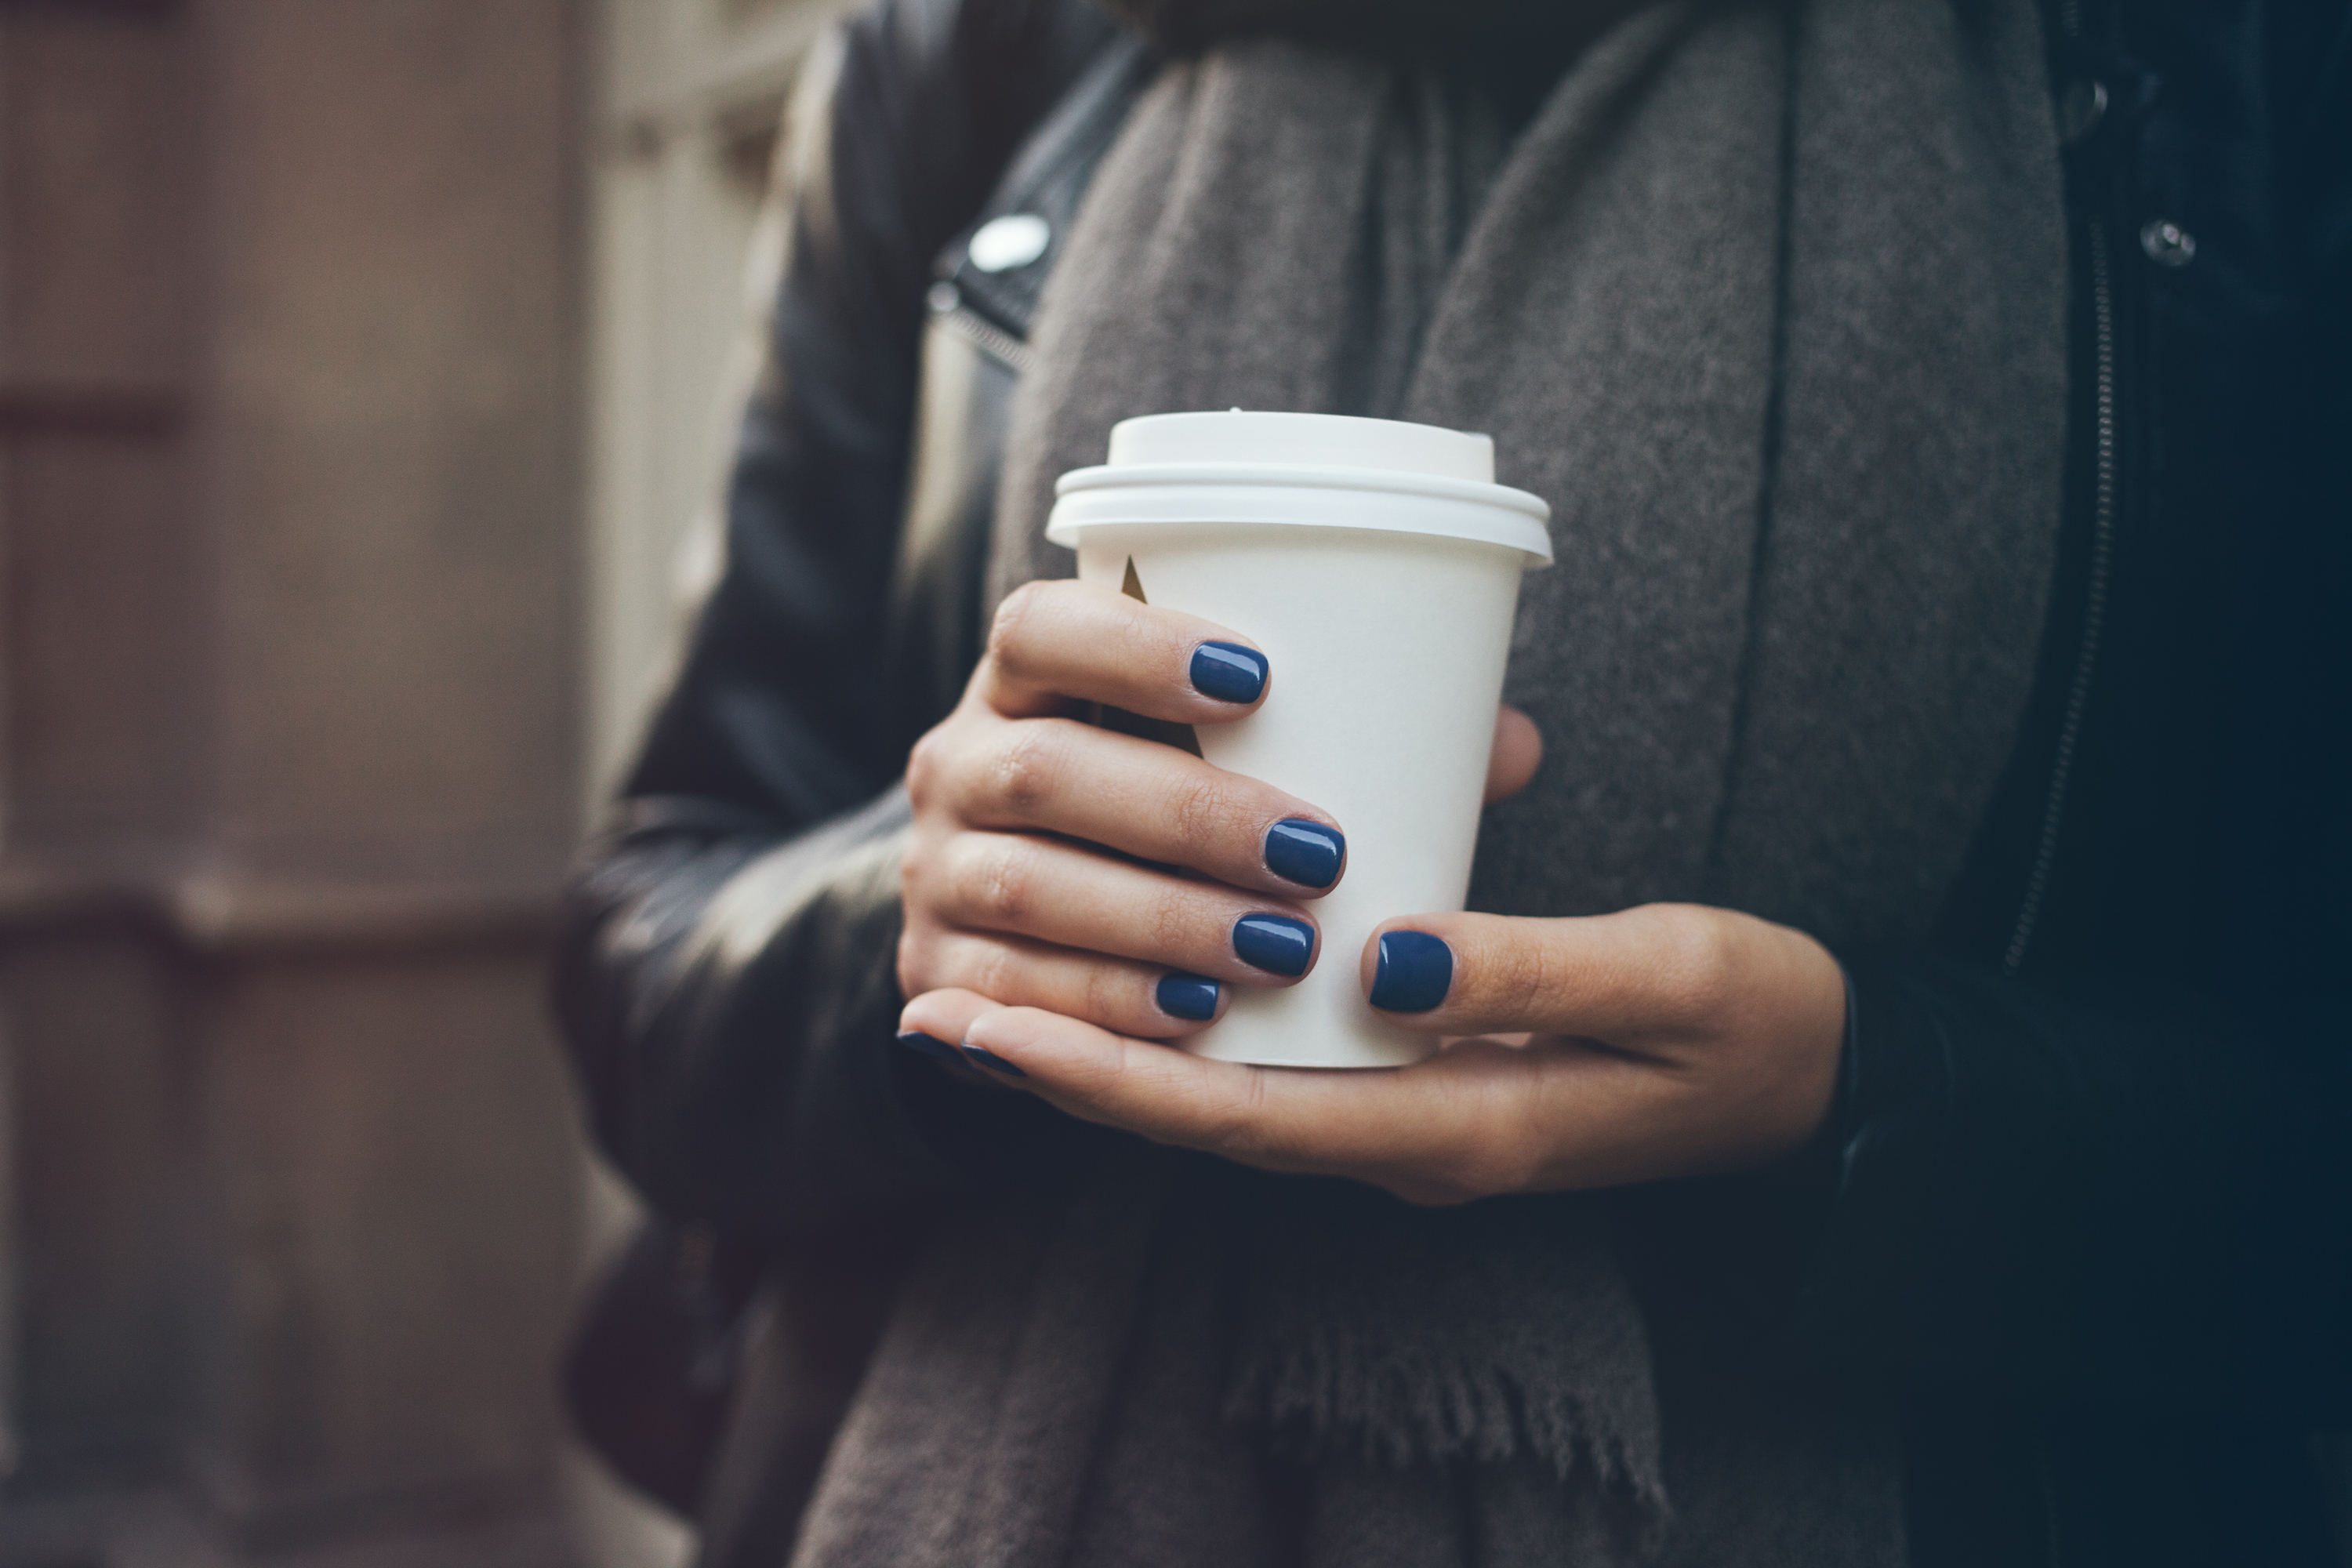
2087	1198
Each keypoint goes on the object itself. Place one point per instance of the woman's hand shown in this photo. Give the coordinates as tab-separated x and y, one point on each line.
1664	1041
1006	894
1007	890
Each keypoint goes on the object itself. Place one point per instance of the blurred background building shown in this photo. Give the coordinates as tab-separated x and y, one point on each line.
363	371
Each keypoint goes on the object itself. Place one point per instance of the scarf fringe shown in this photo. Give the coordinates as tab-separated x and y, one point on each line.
1339	1394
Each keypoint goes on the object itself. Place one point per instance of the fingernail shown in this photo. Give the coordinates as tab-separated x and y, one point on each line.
1276	943
1187	996
1306	853
1228	672
937	1049
1416	970
993	1062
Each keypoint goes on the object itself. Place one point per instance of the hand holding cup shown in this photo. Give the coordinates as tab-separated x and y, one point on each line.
1077	900
1106	877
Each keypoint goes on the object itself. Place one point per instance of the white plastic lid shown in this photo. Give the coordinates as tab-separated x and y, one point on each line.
1312	440
1300	469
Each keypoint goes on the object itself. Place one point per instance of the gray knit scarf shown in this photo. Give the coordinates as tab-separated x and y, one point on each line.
1767	301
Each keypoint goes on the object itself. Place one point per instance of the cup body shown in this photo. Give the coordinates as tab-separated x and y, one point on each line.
1387	651
1387	645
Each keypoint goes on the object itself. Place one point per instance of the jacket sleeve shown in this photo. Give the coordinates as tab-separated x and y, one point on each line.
726	976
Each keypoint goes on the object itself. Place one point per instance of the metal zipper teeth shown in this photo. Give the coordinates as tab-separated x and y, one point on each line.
2103	514
2086	658
990	339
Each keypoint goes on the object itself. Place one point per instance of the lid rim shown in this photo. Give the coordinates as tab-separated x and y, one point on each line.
1301	476
1470	518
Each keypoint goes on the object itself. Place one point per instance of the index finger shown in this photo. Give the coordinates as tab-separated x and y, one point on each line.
1054	641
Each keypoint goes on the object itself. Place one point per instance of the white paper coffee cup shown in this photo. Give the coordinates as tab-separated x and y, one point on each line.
1378	564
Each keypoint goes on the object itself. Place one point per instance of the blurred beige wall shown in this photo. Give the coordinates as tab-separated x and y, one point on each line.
288	448
366	373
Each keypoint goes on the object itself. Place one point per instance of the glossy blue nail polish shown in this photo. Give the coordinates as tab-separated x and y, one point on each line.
1306	853
1416	970
1187	996
992	1062
937	1049
1276	943
1228	672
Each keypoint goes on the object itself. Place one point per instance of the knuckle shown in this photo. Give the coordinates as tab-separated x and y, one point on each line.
918	890
924	765
914	961
1696	967
1236	1128
1105	994
926	862
1006	879
1007	629
1174	920
1029	768
1528	983
1200	812
995	971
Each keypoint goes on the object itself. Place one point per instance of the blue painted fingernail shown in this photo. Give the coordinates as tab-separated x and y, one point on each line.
1187	996
993	1062
1228	672
937	1049
1306	853
1276	943
1416	972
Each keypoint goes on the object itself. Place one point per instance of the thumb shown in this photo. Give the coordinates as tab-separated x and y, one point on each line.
1642	979
1593	976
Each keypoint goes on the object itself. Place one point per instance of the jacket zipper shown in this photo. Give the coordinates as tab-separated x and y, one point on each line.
2086	654
2103	541
989	338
